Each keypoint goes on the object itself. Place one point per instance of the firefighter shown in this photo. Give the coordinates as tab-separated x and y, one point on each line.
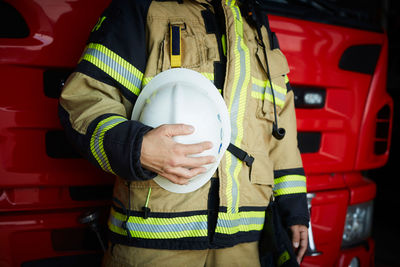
219	223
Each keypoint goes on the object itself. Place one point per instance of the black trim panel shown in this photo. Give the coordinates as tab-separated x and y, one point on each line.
360	58
58	146
309	142
12	23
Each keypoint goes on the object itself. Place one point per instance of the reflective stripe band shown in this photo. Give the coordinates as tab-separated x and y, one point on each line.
146	80
209	76
159	228
244	221
237	105
115	66
258	91
96	141
223	41
286	79
98	24
277	89
290	184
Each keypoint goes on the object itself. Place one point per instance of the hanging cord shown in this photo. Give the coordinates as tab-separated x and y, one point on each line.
277	132
146	210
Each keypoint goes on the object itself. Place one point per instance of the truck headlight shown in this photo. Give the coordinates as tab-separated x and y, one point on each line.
358	225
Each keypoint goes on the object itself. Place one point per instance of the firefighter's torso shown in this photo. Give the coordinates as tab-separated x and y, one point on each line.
184	34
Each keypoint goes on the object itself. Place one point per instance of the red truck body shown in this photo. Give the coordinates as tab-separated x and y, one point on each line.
45	187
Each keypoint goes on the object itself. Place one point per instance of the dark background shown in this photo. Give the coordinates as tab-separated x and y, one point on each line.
386	226
386	229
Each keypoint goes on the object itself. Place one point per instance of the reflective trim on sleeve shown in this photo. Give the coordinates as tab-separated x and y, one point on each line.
290	184
114	65
259	91
96	141
146	80
159	228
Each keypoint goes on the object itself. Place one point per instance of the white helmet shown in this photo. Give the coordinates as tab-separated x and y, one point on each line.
185	96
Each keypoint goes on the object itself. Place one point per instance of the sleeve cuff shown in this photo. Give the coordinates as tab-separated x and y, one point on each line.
293	209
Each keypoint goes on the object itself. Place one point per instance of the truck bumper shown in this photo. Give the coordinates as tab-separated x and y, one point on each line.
363	255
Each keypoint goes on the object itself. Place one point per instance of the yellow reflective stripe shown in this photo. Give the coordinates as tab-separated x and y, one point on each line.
262	90
237	106
292	190
146	80
286	79
116	229
208	75
159	228
223	40
284	257
245	221
114	65
290	184
261	83
159	221
292	177
268	97
96	141
98	24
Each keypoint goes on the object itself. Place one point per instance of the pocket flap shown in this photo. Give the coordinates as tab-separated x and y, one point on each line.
262	169
277	62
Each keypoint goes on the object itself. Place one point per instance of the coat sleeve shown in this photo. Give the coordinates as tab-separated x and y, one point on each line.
96	102
289	178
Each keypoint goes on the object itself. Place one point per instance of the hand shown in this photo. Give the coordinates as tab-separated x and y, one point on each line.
162	155
299	240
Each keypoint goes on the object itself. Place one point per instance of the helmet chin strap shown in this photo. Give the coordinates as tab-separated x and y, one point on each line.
278	133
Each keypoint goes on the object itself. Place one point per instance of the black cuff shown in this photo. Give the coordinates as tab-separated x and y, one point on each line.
123	145
293	209
145	174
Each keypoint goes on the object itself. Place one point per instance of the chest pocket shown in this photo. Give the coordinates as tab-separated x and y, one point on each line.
180	48
262	89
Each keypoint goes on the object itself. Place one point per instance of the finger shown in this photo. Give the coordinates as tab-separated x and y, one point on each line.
190	149
175	179
177	129
193	162
295	236
303	245
182	174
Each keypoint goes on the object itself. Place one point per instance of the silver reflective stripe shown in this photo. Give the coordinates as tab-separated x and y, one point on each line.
114	65
261	90
98	135
289	184
162	228
96	140
238	103
240	221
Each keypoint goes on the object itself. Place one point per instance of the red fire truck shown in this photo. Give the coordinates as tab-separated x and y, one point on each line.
53	203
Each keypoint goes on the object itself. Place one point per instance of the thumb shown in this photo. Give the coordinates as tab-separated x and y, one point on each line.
179	129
